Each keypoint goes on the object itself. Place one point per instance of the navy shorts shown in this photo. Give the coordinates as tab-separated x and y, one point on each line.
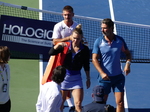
116	83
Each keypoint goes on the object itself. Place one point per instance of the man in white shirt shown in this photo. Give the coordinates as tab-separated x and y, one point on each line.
50	98
64	29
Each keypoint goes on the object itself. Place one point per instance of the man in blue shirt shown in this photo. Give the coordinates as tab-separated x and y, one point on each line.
107	50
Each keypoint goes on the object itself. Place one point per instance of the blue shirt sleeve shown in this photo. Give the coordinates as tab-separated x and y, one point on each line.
96	46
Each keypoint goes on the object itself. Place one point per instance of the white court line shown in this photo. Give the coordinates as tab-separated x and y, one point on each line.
112	14
40	4
40	7
40	55
40	70
125	97
125	100
115	31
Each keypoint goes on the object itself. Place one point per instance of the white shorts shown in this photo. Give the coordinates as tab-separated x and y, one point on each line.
72	82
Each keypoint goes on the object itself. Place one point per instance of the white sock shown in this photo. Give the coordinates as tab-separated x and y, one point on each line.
69	102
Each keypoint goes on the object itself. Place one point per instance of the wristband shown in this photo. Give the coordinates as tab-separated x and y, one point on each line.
128	62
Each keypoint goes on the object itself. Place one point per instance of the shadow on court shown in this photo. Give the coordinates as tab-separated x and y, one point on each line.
138	110
66	109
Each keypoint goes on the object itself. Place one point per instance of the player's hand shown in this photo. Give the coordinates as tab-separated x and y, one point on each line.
88	83
127	69
105	76
63	44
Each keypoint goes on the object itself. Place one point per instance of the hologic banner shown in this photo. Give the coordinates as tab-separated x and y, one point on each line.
26	35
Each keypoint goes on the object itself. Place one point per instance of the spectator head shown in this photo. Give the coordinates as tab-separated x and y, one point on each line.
98	94
4	54
59	74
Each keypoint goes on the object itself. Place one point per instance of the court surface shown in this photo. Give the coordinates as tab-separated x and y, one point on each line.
137	82
137	88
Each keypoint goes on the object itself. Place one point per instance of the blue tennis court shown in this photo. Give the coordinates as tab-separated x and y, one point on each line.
137	89
133	11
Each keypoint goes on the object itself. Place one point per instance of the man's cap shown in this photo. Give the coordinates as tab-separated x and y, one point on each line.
98	92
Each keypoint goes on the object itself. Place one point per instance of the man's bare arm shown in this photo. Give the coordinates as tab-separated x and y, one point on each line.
98	67
55	41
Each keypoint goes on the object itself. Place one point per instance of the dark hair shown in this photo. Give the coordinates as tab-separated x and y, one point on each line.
59	74
4	54
68	8
108	22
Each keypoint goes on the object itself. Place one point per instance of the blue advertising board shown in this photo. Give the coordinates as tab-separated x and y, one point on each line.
26	35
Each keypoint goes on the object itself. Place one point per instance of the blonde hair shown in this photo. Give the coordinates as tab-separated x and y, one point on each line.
78	30
79	26
4	54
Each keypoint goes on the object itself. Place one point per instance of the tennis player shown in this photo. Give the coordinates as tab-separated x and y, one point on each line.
78	56
64	29
108	50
